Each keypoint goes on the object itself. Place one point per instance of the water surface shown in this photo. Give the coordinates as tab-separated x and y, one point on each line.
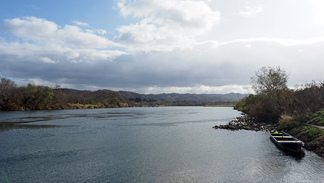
168	144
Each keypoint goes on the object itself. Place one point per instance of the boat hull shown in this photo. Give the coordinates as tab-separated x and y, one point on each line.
286	142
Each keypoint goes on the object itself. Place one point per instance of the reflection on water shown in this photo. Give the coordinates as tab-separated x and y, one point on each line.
29	119
11	125
297	155
171	144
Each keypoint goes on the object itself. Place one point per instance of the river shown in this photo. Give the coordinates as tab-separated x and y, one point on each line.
163	144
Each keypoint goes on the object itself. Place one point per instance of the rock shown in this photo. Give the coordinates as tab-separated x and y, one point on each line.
243	123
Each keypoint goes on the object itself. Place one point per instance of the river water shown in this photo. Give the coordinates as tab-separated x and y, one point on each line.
166	144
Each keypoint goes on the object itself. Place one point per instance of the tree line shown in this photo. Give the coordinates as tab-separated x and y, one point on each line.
33	97
273	100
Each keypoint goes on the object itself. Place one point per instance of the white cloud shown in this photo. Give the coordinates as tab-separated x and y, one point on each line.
73	36
198	89
250	11
317	12
165	25
145	36
285	42
30	27
248	46
49	33
47	60
178	13
80	23
97	31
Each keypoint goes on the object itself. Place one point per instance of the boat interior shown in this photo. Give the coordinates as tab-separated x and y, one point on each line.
281	137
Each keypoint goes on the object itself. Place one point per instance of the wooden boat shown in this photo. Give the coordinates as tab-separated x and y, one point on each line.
286	142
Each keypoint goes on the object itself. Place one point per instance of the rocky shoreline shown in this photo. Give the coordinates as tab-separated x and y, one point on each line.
244	123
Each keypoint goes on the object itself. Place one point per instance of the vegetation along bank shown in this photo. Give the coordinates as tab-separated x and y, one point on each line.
33	97
274	106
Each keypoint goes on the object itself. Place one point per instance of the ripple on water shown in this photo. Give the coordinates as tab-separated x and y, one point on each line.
176	144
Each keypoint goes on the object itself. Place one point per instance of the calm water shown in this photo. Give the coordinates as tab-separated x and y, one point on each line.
169	144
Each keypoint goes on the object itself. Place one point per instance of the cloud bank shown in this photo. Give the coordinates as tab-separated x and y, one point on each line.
159	53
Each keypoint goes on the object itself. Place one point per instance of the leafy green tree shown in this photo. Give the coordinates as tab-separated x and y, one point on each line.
115	102
36	97
44	96
29	95
245	103
8	95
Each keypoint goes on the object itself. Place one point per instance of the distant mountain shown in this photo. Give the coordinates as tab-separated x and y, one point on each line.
101	95
174	97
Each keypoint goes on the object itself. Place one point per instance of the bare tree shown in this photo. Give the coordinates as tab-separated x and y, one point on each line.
268	80
273	95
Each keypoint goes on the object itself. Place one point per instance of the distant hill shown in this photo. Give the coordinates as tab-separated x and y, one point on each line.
175	97
34	97
165	97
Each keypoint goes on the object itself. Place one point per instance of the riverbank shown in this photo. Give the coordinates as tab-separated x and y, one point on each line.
309	129
311	135
244	123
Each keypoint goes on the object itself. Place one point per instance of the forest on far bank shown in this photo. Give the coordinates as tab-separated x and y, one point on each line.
31	97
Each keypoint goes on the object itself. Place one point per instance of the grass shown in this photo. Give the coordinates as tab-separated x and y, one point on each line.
81	106
288	122
317	118
300	127
312	131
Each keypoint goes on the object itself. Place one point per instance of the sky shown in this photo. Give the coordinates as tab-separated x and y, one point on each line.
154	46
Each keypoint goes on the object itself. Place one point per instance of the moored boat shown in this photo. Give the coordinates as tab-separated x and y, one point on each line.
286	142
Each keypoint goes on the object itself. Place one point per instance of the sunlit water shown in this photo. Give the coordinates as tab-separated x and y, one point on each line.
168	144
